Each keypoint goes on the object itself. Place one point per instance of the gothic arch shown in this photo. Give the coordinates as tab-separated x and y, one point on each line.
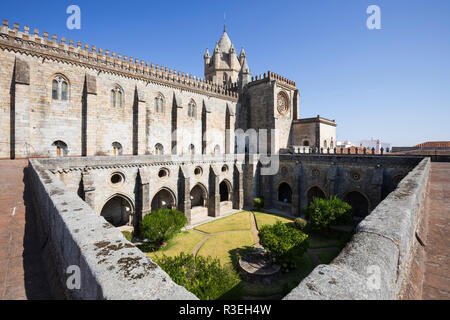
159	103
118	210
315	191
62	150
199	196
284	192
359	201
60	79
225	190
164	199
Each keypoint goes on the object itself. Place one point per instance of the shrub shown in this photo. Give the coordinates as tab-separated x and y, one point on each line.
258	203
300	224
324	213
204	277
283	242
160	226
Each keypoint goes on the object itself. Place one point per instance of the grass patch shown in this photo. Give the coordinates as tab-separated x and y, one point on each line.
327	256
238	221
221	245
270	219
335	238
183	242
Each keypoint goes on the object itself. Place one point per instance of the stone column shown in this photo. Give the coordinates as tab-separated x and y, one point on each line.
331	179
300	189
251	180
144	191
184	194
90	116
377	184
268	191
89	190
295	207
20	111
214	193
238	188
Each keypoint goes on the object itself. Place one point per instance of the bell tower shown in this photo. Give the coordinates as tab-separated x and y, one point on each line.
225	67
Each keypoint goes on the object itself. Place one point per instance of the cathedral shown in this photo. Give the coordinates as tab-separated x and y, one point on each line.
129	136
63	99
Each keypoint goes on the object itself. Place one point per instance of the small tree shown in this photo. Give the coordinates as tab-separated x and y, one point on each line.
258	203
325	213
283	242
160	226
204	277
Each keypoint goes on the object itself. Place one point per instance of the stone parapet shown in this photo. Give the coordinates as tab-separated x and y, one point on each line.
75	238
374	264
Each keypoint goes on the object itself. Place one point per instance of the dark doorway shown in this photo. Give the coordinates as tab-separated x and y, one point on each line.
359	204
315	192
285	193
224	192
117	211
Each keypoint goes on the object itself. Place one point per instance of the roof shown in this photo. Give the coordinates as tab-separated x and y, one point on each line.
225	42
434	144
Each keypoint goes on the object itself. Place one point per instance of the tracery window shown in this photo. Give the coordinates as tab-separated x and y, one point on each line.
159	104
116	97
60	89
191	109
282	103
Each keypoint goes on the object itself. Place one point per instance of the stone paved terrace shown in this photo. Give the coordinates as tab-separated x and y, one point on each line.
22	273
437	262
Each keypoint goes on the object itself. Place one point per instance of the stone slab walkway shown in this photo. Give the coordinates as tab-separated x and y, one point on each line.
436	284
22	273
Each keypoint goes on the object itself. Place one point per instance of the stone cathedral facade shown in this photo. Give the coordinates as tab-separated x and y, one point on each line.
130	136
59	98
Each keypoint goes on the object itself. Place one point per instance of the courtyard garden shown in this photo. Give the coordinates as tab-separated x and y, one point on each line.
205	259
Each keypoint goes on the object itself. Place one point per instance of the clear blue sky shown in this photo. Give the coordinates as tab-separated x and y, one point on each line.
392	84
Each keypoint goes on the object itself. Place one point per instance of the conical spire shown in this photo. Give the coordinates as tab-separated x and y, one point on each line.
242	54
245	69
225	42
207	55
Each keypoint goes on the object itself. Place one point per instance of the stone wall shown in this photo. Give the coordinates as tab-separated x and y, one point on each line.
73	235
32	120
374	264
90	178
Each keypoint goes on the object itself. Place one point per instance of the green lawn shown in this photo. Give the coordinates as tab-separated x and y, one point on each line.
222	245
229	246
238	221
183	242
269	219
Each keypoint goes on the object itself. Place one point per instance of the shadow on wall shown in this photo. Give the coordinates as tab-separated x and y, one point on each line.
35	271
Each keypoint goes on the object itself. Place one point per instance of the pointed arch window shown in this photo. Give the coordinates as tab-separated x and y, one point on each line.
117	149
159	104
60	89
116	97
191	150
159	149
191	109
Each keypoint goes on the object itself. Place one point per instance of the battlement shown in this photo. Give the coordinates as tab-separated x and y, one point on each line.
17	40
271	76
